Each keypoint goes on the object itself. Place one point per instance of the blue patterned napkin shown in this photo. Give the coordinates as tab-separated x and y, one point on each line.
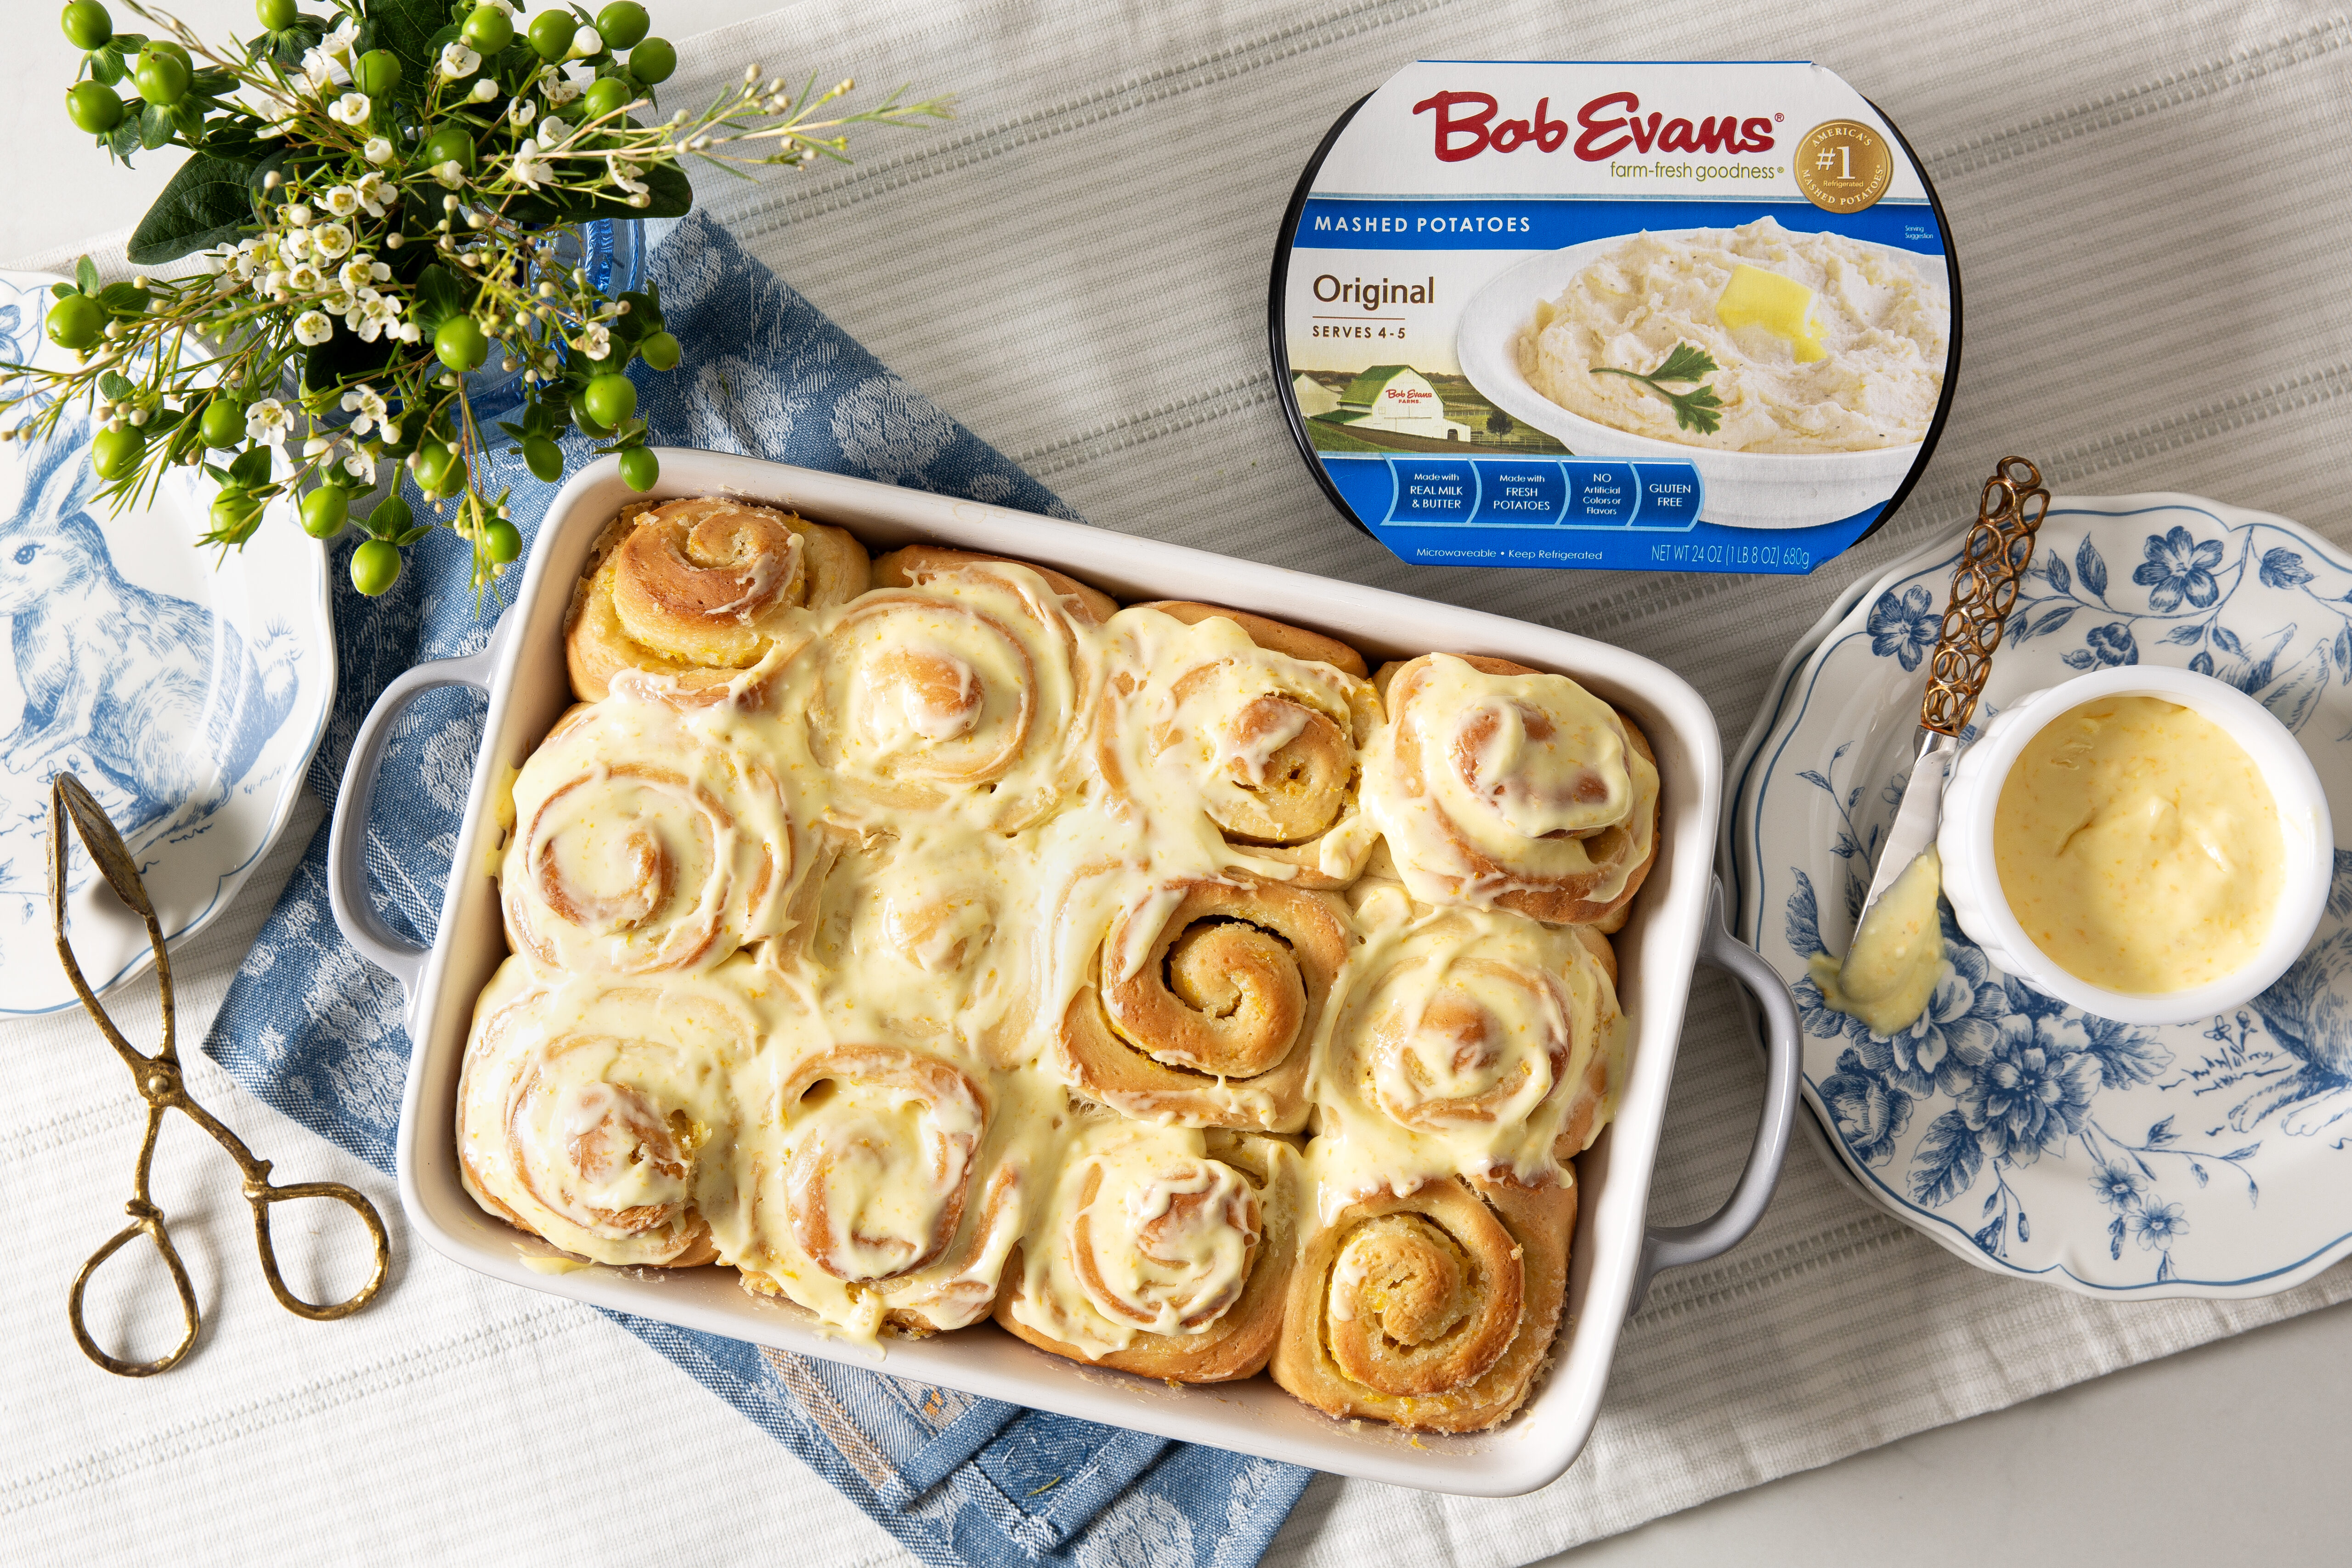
312	1029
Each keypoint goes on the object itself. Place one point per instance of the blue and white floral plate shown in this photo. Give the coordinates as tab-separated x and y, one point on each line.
2197	1160
187	694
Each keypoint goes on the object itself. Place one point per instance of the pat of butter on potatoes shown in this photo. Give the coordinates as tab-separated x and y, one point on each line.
1781	306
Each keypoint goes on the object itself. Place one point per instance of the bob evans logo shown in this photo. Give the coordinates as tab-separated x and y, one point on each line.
1466	126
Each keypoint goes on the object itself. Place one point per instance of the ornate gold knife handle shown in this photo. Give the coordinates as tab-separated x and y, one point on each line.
1999	550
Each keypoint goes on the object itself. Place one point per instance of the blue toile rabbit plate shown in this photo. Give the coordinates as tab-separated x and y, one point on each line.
188	694
2207	1159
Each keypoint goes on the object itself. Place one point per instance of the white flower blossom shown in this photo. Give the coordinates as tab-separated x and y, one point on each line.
560	89
317	447
361	467
361	271
625	176
451	174
391	431
321	74
339	44
372	192
351	109
530	168
302	277
595	340
457	61
341	200
341	302
553	132
484	90
367	404
275	280
409	333
520	113
379	314
504	5
298	214
268	422
585	42
331	240
311	327
378	151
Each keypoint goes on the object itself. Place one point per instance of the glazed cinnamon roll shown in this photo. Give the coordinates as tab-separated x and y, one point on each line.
1161	1251
694	592
1252	725
1473	1043
885	1190
642	844
924	565
1435	1311
597	1114
1498	784
1205	1003
963	696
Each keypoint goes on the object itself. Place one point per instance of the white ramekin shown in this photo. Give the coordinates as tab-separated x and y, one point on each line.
1972	881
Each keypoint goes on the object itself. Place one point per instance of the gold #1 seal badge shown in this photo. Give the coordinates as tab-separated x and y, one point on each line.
1843	165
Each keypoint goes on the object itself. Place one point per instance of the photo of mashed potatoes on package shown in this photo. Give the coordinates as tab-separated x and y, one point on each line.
1557	313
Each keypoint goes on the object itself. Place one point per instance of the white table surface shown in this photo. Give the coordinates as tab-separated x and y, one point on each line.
2232	1452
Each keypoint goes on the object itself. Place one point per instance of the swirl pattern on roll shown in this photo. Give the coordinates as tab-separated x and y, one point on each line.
695	592
1471	1043
1496	785
1434	1310
965	695
1162	1251
1248	723
1205	1004
599	1116
642	844
873	1198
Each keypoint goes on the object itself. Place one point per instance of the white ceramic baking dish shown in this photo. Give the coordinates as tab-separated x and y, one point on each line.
1678	923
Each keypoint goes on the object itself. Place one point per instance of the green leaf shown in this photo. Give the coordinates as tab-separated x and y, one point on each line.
124	299
250	468
668	191
1688	362
106	64
439	296
154	126
114	387
345	358
64	290
85	274
405	27
206	204
125	140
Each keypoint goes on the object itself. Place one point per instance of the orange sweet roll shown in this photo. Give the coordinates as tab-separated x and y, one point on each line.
1205	1001
917	935
962	688
1470	1043
888	1184
1497	785
642	844
693	593
597	1113
1434	1310
1161	1250
1243	730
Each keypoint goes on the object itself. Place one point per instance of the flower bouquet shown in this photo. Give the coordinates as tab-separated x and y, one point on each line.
384	202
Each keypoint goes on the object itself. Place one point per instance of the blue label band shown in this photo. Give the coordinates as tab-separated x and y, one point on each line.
1553	223
1519	493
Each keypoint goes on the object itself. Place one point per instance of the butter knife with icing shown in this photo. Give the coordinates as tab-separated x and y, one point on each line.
1891	968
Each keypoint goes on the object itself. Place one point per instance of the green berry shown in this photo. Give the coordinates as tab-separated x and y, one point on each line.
623	24
234	515
437	469
87	25
224	422
93	108
277	15
604	96
544	458
653	60
611	399
76	321
166	47
588	427
161	79
375	567
115	453
489	29
325	510
551	33
391	516
376	72
640	468
502	540
660	351
451	144
459	345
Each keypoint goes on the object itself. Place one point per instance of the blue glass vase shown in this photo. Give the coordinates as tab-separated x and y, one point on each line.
614	253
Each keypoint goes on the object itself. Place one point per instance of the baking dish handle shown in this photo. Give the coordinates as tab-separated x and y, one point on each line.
1671	1247
347	888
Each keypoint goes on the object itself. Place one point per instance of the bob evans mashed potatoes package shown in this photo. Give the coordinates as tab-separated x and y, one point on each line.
1673	317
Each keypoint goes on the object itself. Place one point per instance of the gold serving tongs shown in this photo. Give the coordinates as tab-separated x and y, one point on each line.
160	1080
